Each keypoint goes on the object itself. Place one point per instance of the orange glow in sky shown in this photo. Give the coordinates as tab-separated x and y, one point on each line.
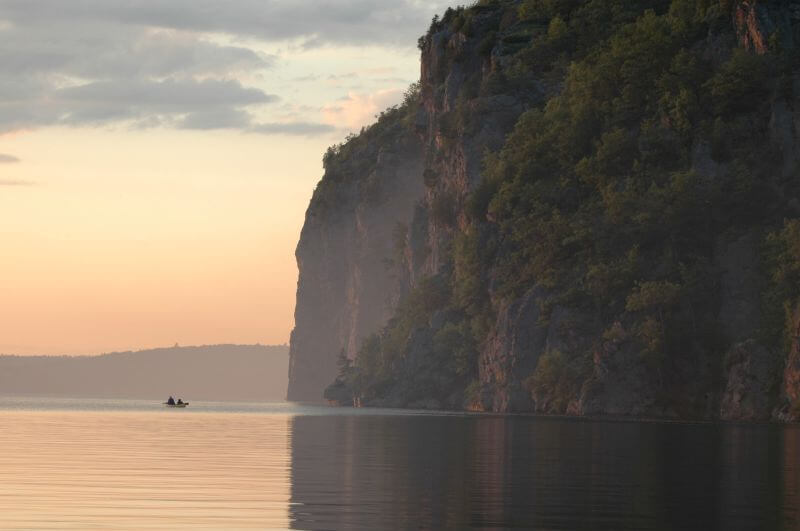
131	240
157	159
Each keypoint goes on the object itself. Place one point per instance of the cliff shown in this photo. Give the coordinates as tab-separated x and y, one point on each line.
347	287
585	207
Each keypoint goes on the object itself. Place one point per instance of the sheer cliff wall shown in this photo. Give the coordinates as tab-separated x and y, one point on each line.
586	208
348	286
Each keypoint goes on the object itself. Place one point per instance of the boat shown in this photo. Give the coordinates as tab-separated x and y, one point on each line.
172	403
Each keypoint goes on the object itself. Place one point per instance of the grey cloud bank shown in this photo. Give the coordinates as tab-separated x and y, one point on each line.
293	128
313	21
157	63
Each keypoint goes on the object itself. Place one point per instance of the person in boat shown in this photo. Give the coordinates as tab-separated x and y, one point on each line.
171	401
180	401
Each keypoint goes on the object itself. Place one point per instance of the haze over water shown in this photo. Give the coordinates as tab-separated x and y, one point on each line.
131	464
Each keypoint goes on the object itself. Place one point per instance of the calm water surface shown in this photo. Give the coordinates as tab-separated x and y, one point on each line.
133	464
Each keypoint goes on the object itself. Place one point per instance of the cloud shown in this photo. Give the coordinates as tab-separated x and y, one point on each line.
347	75
293	129
393	80
358	109
223	118
314	22
14	182
84	71
183	63
87	50
145	103
169	94
380	70
8	159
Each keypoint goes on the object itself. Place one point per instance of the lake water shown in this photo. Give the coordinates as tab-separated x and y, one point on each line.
133	464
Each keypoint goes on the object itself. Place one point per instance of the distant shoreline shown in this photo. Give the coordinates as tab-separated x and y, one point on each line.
209	372
114	352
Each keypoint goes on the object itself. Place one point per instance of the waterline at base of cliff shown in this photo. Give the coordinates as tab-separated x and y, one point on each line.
582	208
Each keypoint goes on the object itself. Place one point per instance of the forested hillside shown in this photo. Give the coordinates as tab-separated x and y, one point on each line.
608	218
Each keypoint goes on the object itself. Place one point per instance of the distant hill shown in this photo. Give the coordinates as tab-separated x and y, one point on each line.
214	372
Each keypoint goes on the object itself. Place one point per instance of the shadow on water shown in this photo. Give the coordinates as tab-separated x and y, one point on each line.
424	472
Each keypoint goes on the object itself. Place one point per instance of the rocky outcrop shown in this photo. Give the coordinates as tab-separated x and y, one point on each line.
753	26
510	356
347	284
741	285
620	385
788	405
761	24
750	374
351	272
457	124
749	371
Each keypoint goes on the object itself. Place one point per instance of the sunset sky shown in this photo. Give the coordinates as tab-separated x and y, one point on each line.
157	158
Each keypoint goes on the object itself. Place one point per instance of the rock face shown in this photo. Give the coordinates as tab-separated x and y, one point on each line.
397	200
753	26
749	371
351	271
750	375
787	408
346	286
760	24
510	355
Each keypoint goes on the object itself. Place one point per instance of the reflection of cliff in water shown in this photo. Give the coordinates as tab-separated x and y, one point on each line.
403	472
790	478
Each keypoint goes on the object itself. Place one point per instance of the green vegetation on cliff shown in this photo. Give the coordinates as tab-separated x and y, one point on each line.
354	157
609	200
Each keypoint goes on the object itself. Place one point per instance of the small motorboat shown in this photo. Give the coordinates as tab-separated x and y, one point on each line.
172	403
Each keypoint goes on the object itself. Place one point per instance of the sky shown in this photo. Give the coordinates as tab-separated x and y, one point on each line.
157	159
